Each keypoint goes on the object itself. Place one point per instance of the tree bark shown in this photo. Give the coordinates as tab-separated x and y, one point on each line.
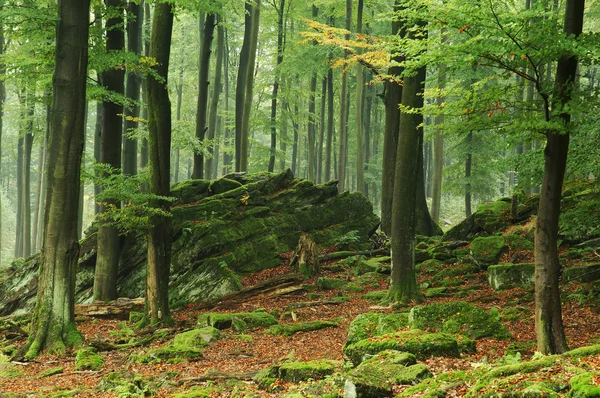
248	97
159	140
132	90
2	99
214	102
240	89
204	67
280	13
107	258
330	114
438	150
360	139
26	178
311	130
53	325
343	131
468	164
548	313
320	145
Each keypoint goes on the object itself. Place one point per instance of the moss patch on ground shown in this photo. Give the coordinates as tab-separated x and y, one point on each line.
225	321
88	359
295	372
292	328
371	324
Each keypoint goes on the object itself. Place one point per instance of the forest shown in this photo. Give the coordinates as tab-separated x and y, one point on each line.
277	198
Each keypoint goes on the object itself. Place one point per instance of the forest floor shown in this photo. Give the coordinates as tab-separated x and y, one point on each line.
233	354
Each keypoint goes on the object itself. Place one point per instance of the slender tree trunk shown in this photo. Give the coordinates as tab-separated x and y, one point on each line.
438	150
343	133
144	143
26	178
2	100
280	13
240	89
320	145
201	127
284	133
295	145
311	122
159	126
227	157
248	97
360	139
468	164
132	91
548	313
393	95
330	114
20	146
53	324
107	258
214	102
179	91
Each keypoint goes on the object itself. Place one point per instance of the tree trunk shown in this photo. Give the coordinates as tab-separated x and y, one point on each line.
204	67
468	164
311	123
248	97
240	89
53	324
227	157
343	133
132	91
144	146
214	102
99	116
330	114
20	146
159	139
26	178
2	100
548	314
360	87
438	150
280	13
107	258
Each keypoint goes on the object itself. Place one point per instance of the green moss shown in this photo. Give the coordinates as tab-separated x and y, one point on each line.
135	317
375	377
87	359
377	295
51	372
518	243
371	324
225	321
585	385
72	336
454	271
486	251
430	266
292	328
436	292
197	392
458	317
128	384
329	283
300	371
506	276
417	342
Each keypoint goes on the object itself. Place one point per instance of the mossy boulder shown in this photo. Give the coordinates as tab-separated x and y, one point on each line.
222	321
376	376
222	231
371	324
489	218
507	276
585	385
329	283
486	251
295	372
293	328
518	243
184	346
420	343
87	359
458	317
431	266
127	384
586	274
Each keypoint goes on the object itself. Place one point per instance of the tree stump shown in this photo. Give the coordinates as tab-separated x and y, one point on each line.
306	257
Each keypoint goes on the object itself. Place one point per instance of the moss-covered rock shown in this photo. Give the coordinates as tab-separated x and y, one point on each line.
371	324
184	346
88	359
376	295
458	317
585	385
295	372
417	342
431	266
220	234
127	384
225	321
489	218
292	328
328	283
486	251
586	274
518	243
376	376
506	276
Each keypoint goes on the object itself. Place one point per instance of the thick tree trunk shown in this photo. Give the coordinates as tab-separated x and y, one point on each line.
26	178
320	144
159	139
53	324
360	139
227	157
204	67
248	97
214	102
132	91
548	314
107	258
393	96
2	98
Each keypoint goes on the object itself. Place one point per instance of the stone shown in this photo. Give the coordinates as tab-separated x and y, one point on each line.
371	324
507	276
295	372
585	274
486	251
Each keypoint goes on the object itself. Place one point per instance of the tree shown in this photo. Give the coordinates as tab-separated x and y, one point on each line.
280	49
53	324
343	133
159	142
109	242
207	34
211	166
548	313
240	88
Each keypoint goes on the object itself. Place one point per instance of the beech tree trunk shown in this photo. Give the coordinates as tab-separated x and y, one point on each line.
201	127
280	13
548	313
438	152
53	325
107	258
343	131
321	140
159	142
360	139
240	89
214	102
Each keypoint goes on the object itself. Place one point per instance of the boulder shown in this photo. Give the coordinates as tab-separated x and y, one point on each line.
458	317
295	372
506	276
371	324
586	274
222	230
488	219
486	251
376	376
419	343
